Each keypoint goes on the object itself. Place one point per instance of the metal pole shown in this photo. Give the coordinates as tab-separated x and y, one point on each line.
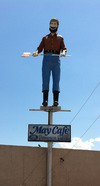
49	160
50	111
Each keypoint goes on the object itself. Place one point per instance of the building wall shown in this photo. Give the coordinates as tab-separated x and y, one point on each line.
26	166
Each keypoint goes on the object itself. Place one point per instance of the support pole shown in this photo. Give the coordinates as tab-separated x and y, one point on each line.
50	111
49	160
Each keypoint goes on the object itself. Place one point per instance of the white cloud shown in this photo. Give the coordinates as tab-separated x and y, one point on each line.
77	143
97	139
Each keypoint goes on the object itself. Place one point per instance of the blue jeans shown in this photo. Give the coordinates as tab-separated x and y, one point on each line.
50	64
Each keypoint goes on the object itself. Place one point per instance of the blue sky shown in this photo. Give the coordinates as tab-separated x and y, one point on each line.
23	24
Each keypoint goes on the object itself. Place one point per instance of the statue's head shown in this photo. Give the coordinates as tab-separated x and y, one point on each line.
54	23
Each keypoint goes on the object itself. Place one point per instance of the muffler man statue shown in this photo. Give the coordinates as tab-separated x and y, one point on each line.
51	44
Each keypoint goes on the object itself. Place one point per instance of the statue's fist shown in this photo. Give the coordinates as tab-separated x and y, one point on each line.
63	54
35	53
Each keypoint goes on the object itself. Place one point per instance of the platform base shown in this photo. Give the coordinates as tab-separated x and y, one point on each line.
50	108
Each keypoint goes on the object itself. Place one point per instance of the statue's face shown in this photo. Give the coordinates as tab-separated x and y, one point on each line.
53	27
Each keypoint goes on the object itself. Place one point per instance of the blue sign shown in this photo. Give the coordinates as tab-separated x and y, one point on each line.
49	133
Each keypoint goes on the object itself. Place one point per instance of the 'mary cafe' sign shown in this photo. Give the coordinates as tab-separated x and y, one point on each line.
52	133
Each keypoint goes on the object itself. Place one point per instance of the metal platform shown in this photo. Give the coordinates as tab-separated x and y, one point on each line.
50	109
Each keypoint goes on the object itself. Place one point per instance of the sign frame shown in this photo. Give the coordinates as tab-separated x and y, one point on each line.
49	133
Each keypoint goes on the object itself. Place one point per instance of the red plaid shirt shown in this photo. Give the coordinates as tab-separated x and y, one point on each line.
49	42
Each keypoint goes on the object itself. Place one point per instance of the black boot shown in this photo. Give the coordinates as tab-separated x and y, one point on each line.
45	98
55	98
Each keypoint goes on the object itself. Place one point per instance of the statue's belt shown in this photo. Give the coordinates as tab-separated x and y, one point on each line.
51	51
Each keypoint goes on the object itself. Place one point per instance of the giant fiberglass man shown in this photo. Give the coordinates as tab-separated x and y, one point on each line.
51	44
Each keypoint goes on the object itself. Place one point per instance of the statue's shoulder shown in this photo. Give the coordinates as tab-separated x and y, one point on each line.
60	37
46	36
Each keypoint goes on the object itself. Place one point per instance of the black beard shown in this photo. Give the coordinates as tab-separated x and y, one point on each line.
53	30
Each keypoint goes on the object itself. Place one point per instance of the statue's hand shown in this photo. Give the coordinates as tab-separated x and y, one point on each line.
63	54
35	53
